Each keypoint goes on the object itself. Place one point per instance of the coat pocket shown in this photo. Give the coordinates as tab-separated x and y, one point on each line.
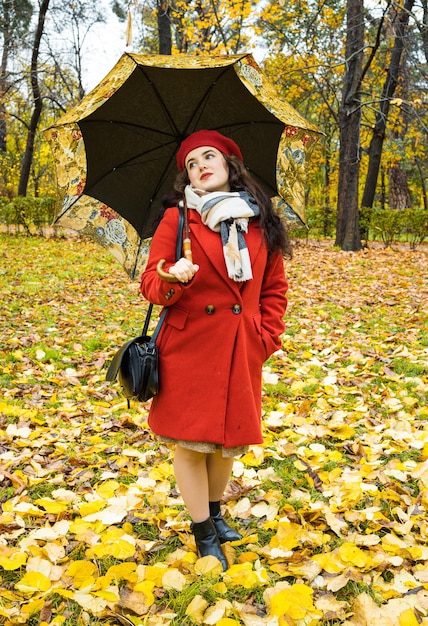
169	340
257	319
177	318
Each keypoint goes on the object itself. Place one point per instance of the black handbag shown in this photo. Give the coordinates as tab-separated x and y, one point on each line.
136	363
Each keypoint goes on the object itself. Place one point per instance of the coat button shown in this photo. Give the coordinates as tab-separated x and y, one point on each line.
236	309
210	309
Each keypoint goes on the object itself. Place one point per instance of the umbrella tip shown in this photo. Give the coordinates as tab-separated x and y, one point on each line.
128	38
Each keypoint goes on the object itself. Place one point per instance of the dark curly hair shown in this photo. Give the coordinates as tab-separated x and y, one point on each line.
240	179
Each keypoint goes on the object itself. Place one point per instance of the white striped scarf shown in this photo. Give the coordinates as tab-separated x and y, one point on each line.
227	213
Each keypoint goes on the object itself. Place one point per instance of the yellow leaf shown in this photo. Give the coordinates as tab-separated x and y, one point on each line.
161	471
196	608
253	458
146	587
11	560
297	386
408	618
338	582
81	571
107	594
287	537
190	557
327	603
83	529
208	564
90	603
65	593
51	506
112	514
119	549
87	508
33	582
154	573
248	556
306	569
215	613
173	579
294	602
336	524
33	607
108	489
26	508
122	571
54	552
243	574
300	466
134	600
128	528
342	431
350	553
264	509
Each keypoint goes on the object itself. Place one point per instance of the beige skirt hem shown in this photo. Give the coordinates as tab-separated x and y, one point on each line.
206	447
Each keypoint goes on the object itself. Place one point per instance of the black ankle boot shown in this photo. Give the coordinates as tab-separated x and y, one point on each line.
224	531
207	541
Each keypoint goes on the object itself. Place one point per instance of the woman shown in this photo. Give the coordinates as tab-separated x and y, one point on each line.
225	319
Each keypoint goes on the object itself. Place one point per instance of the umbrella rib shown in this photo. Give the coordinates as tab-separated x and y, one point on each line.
166	111
199	108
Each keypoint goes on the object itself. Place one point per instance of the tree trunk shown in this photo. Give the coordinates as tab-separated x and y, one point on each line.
423	184
399	192
327	218
37	101
7	42
423	28
164	27
376	144
399	195
347	227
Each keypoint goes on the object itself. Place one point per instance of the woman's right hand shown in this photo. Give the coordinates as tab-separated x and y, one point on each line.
183	270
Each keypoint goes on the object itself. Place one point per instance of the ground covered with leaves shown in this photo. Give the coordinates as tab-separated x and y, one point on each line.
333	506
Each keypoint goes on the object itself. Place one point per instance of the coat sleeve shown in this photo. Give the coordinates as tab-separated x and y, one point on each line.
163	245
273	303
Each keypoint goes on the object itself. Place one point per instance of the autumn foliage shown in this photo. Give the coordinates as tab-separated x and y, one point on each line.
333	506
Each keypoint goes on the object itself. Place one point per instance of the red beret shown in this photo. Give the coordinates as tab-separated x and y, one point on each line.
211	138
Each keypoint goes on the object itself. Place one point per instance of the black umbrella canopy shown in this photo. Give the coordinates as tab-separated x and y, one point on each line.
132	138
115	150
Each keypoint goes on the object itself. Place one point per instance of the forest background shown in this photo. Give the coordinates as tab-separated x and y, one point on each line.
358	70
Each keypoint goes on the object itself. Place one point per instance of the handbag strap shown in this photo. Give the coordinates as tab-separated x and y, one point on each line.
178	246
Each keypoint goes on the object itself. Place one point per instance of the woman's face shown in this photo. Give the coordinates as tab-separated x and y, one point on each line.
207	169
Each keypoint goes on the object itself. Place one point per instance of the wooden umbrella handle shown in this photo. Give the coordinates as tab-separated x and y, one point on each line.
187	250
169	278
165	275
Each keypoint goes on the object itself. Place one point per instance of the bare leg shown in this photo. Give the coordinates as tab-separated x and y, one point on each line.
219	469
191	474
201	477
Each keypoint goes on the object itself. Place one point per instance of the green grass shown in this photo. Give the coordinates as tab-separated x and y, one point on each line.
405	367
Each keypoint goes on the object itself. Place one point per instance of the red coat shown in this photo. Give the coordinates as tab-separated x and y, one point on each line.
215	338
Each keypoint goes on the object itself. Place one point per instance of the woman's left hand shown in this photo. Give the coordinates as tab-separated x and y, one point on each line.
183	270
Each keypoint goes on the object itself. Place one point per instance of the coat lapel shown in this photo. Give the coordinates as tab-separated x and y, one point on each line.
209	244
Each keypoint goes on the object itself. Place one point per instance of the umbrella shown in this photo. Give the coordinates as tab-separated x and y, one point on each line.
115	151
